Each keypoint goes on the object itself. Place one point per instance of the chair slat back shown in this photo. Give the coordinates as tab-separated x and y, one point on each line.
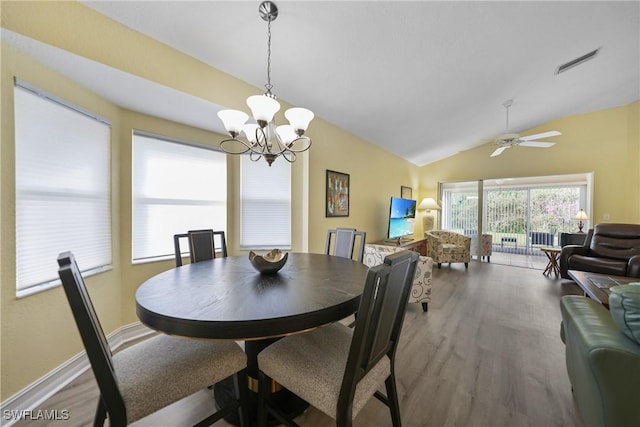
176	247
202	245
380	317
93	338
343	242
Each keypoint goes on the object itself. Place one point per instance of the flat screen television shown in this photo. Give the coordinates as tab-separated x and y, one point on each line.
402	218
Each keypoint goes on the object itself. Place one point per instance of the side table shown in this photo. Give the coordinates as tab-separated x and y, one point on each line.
553	255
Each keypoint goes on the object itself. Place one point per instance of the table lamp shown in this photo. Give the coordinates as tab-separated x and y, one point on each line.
581	216
428	204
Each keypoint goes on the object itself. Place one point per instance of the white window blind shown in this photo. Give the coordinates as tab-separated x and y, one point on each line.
265	204
62	189
176	188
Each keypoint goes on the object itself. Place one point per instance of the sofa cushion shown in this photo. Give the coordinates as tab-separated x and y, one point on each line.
598	265
624	304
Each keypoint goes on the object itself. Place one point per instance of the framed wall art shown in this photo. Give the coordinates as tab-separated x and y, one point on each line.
406	192
337	194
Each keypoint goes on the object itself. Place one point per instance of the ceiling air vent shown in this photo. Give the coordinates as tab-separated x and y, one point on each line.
573	63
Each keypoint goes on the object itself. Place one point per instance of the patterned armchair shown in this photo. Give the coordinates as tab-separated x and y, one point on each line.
421	289
448	246
484	249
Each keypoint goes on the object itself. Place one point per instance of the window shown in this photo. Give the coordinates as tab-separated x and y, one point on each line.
522	214
176	187
265	209
62	189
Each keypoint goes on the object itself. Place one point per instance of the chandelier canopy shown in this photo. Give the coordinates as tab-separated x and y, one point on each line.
264	138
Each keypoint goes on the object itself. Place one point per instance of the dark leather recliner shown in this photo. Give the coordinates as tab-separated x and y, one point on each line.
608	249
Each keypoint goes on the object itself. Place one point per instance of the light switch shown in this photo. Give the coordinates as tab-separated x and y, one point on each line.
605	217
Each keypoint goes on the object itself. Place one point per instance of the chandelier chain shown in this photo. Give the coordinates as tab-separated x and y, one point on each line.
269	85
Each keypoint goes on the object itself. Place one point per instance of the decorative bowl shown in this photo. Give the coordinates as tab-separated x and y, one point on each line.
269	263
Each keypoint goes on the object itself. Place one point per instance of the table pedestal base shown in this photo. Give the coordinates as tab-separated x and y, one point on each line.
290	404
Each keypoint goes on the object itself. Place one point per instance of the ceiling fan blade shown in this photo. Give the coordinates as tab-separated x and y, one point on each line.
498	151
542	144
540	135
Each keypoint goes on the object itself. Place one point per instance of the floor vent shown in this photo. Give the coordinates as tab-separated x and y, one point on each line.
573	63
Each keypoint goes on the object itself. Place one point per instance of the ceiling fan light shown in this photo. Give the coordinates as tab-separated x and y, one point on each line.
263	108
299	118
233	120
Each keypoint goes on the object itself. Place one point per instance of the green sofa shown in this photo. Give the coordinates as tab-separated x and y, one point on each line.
603	363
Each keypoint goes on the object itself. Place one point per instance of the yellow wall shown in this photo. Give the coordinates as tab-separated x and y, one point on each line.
37	332
604	142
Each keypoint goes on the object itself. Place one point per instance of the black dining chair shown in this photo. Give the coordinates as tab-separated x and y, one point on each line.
337	369
342	242
155	373
202	245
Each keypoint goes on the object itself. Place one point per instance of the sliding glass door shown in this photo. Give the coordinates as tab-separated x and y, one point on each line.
521	214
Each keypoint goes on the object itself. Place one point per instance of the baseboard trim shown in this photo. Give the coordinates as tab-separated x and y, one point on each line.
43	388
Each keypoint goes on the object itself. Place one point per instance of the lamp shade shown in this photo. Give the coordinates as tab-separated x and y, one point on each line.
299	118
286	134
262	107
428	204
582	215
250	131
233	120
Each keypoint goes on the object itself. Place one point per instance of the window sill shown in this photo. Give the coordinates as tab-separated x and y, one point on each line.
31	290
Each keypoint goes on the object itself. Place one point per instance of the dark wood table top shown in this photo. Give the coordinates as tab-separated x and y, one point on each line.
596	286
226	298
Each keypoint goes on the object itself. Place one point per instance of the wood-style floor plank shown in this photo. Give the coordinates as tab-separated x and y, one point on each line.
487	353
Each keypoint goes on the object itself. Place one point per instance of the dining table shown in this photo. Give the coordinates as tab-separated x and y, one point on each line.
228	299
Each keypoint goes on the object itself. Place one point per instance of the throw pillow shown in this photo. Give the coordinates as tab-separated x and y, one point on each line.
624	304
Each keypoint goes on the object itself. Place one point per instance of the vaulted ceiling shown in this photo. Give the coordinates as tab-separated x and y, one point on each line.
422	79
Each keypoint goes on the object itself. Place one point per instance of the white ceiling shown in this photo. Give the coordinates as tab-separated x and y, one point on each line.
422	79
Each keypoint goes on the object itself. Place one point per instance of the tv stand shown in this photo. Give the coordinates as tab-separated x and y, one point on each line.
416	245
399	241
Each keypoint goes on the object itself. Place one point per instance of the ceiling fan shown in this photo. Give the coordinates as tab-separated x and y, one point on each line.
508	140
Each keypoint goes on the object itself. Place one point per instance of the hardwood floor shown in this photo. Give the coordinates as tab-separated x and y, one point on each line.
487	353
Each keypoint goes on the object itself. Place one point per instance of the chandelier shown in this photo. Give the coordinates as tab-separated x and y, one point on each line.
264	138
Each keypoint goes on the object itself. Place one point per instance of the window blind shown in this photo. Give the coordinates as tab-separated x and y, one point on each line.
265	204
62	169
176	187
